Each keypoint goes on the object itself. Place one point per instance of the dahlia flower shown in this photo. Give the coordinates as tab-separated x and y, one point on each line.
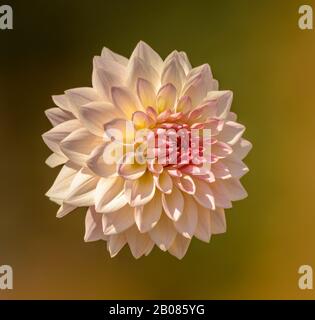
156	188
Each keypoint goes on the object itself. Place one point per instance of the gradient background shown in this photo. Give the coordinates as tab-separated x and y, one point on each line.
256	50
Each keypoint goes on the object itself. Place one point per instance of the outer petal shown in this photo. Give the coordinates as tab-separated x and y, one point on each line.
57	116
204	195
109	194
187	222
82	189
203	228
164	233
218	222
95	114
79	144
142	190
54	136
147	216
173	204
93	226
118	221
179	246
146	53
115	243
138	242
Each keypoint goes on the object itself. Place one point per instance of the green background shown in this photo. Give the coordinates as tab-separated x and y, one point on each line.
255	49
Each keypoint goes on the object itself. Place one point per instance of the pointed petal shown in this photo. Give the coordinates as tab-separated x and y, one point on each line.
109	194
166	98
218	222
204	195
173	204
57	116
143	190
78	145
147	216
138	242
118	221
93	226
187	222
164	233
203	228
115	243
179	247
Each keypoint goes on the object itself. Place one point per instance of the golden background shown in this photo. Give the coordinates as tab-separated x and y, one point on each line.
255	49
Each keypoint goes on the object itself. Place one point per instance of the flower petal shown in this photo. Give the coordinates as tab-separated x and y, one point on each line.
79	144
57	116
203	228
95	114
218	222
147	216
204	195
173	204
82	189
118	221
166	98
179	247
164	233
93	225
115	243
138	242
146	93
109	194
142	190
187	222
164	182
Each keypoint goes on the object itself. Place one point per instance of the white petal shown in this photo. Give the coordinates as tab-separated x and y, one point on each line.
146	93
146	53
64	210
166	98
124	99
138	242
187	222
108	54
241	149
60	187
109	195
82	189
115	243
142	190
118	221
62	102
147	216
231	133
218	222
203	228
138	68
179	246
97	164
236	167
54	136
95	114
173	204
93	226
173	71
164	182
233	189
204	195
164	233
57	116
78	145
199	82
55	160
223	99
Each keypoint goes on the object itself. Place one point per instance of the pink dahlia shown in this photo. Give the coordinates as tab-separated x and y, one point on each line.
151	149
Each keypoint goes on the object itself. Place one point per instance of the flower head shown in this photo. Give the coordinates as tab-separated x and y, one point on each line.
152	149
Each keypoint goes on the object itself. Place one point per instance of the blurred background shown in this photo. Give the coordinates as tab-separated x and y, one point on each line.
255	49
